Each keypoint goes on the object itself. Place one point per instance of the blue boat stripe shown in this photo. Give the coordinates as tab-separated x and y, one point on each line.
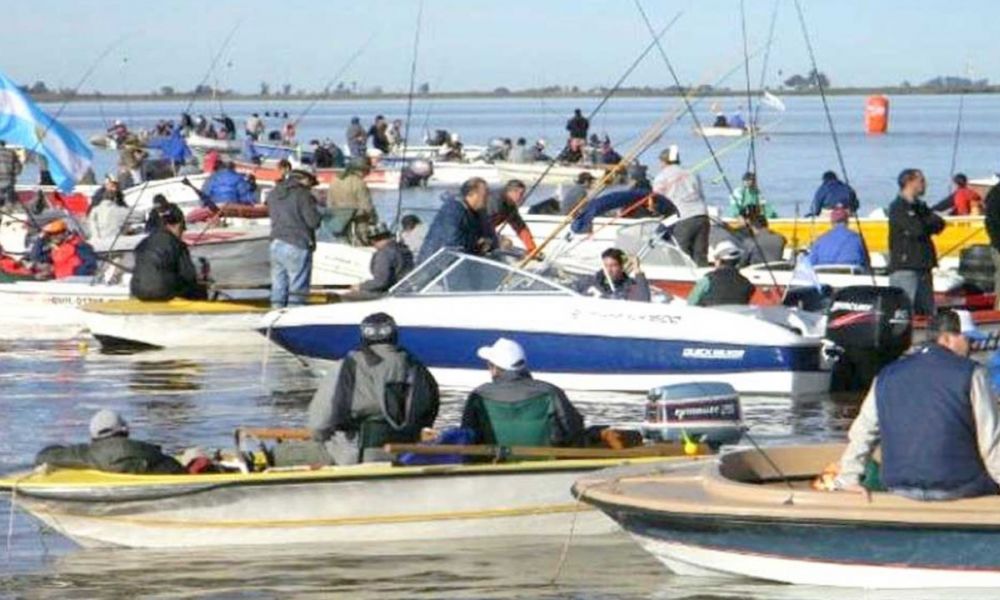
442	347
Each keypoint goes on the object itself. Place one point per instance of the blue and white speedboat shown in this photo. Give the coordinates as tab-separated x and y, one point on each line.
455	303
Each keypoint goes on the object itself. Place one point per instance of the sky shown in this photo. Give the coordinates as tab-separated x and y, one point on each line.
482	44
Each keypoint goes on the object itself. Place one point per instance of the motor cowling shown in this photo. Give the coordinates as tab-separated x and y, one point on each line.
873	326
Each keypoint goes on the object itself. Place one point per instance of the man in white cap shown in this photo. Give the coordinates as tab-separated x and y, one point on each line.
110	449
724	284
683	188
935	417
516	410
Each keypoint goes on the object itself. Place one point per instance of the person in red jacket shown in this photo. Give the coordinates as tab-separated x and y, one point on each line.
967	201
67	253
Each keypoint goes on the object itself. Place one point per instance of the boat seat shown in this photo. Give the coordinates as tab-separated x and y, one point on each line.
524	423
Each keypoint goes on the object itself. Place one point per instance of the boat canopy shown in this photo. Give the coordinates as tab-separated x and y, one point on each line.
449	272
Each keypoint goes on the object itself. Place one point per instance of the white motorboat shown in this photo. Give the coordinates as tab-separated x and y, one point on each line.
453	173
454	303
201	144
721	131
52	306
373	502
553	173
176	323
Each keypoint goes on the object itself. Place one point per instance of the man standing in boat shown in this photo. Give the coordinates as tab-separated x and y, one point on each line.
936	419
356	138
515	410
504	208
461	223
683	188
294	219
379	394
10	168
350	202
912	256
578	127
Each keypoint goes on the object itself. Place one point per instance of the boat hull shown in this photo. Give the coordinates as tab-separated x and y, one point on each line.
52	305
366	503
194	328
541	173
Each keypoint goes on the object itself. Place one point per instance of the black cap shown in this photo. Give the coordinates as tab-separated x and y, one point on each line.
379	328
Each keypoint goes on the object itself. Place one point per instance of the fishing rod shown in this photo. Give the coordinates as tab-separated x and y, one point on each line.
646	139
609	93
340	73
833	130
128	103
76	89
958	126
763	71
409	109
708	143
752	152
211	66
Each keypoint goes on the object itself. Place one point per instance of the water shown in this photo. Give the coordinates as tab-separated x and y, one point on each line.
180	399
795	150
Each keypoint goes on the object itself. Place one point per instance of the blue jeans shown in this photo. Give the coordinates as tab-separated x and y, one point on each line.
291	269
981	486
919	288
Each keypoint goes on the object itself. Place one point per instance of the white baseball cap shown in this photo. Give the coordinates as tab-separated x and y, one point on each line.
726	250
106	423
968	327
505	354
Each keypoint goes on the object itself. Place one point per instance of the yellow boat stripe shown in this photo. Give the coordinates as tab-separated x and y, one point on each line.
497	513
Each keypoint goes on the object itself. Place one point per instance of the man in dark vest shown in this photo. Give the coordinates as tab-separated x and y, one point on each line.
936	419
724	284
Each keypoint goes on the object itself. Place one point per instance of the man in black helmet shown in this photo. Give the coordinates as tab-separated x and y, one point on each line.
379	394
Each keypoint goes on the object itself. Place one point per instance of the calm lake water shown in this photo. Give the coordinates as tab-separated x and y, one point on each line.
51	387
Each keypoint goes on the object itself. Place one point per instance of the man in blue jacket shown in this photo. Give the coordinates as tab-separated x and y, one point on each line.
227	186
840	245
832	193
461	223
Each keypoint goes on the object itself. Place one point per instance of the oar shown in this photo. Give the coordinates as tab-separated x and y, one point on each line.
500	452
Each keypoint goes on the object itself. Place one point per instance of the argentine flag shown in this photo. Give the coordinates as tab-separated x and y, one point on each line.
22	123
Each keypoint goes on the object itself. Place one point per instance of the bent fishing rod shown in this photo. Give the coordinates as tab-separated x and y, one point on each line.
697	122
646	140
752	154
340	73
212	65
763	75
607	96
833	130
409	110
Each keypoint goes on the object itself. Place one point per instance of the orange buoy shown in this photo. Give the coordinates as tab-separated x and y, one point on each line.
877	114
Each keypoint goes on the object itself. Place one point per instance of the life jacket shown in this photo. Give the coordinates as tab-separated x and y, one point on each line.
727	286
10	266
928	431
66	258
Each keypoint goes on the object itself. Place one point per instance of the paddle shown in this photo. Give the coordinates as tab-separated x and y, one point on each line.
501	452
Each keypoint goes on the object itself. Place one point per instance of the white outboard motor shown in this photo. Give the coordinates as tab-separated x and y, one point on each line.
709	413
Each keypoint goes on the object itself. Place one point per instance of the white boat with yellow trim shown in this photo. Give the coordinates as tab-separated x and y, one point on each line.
372	502
176	323
53	306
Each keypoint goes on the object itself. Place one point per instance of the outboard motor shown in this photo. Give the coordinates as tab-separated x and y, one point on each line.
438	138
708	412
873	326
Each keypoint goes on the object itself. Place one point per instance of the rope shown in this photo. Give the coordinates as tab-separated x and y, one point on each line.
409	109
564	554
833	130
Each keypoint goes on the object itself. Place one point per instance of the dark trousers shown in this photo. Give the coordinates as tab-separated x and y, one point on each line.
691	235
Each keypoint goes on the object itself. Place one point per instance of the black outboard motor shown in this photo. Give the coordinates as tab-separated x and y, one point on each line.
416	173
874	326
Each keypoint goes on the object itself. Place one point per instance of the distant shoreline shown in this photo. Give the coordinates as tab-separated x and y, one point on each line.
529	94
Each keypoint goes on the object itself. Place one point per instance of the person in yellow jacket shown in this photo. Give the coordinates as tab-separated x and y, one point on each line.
350	203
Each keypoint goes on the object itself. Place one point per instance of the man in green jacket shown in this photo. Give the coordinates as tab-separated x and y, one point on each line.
110	449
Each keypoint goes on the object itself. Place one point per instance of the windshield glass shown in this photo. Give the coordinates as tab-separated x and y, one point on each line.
449	272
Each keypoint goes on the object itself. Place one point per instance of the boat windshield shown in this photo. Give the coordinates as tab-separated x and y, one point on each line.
451	272
645	239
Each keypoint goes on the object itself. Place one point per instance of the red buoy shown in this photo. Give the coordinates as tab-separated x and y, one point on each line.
877	114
